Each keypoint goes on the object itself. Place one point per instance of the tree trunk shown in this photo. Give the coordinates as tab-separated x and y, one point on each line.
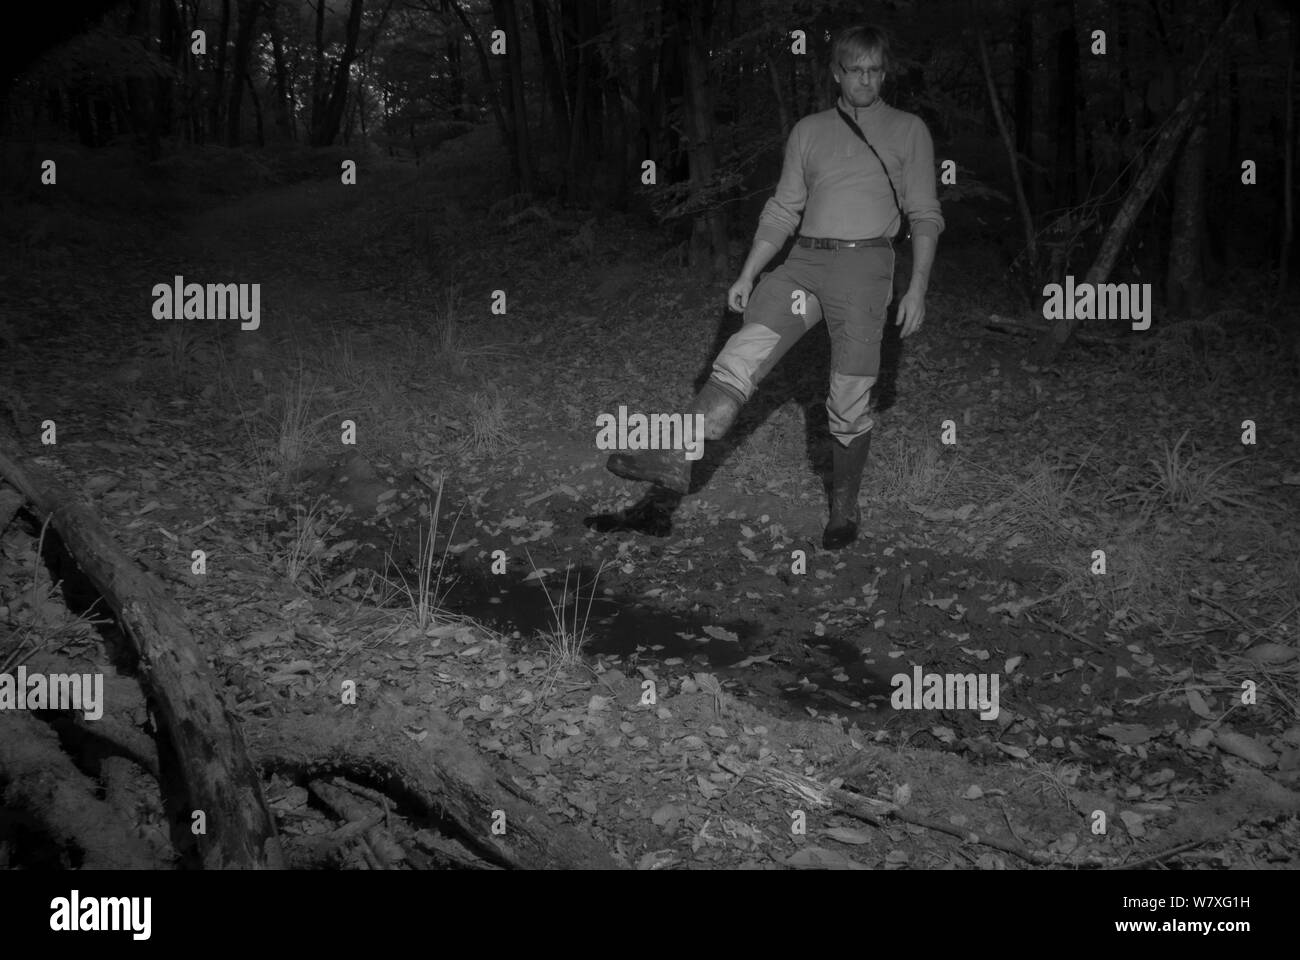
282	109
1222	211
170	48
617	178
85	126
1064	173
331	116
191	112
1024	98
455	71
243	52
1049	346
142	109
520	150
257	111
1083	118
350	116
1022	204
1185	280
783	115
709	229
1288	167
647	140
317	74
554	83
613	175
575	68
486	66
104	125
219	75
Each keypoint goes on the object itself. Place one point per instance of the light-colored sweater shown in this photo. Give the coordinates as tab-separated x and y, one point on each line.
832	179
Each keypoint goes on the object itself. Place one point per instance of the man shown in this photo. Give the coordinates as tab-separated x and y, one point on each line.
851	193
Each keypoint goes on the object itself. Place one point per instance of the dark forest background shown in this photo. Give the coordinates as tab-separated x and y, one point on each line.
1131	158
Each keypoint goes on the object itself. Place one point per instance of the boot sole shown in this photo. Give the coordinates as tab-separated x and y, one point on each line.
629	469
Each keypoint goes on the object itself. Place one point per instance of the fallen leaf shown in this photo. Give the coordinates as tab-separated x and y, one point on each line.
721	633
1197	704
1248	748
1130	733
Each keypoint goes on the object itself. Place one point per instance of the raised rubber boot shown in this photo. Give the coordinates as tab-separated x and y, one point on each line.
847	464
670	468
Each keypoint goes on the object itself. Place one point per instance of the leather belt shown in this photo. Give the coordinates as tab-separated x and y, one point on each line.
821	243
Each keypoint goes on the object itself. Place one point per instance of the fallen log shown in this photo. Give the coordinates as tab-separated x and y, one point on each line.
439	773
441	776
213	763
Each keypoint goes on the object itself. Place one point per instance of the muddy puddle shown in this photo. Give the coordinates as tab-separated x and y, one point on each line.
790	673
825	644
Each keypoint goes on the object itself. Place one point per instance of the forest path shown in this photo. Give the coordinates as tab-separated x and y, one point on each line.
377	308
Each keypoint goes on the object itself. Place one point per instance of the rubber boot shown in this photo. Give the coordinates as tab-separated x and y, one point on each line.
670	468
847	464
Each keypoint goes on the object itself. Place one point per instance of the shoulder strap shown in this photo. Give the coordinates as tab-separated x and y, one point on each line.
857	132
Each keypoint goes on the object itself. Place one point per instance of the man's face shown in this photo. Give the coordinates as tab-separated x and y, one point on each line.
860	79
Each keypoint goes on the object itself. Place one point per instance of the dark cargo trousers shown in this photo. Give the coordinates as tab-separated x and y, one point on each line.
852	288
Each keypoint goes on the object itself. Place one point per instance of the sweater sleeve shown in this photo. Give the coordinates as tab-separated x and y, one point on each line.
921	199
781	213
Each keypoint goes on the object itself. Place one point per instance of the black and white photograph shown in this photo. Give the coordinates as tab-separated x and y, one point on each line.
652	435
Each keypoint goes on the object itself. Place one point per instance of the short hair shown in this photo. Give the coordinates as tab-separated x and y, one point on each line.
860	40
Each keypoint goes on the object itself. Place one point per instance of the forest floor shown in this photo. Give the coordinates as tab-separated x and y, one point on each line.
1158	684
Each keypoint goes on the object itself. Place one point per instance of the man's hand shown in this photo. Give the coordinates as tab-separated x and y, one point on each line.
738	295
760	253
911	309
911	312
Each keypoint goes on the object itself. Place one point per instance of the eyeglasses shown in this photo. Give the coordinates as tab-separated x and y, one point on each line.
859	74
